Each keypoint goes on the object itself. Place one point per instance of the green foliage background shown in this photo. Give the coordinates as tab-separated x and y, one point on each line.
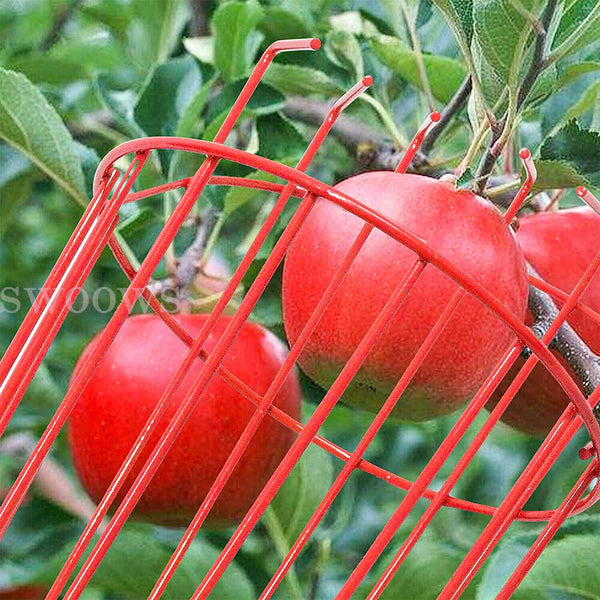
79	77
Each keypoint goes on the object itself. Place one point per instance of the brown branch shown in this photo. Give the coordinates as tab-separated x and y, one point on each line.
371	149
456	103
51	481
585	364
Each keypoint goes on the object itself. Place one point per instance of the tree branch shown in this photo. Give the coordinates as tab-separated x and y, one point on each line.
585	364
199	23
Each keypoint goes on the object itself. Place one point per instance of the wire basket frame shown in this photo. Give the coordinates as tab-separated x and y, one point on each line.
113	189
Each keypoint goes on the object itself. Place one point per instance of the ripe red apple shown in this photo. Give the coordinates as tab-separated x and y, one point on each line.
463	227
560	246
128	384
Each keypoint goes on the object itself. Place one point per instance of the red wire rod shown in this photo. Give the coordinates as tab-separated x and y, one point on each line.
188	404
531	176
139	281
453	478
531	477
396	232
569	505
392	399
313	147
46	316
294	425
414	146
557	293
549	531
416	491
553	445
589	198
245	182
76	274
54	277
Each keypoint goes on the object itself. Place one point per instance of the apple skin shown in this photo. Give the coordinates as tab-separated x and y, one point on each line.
464	228
128	384
560	246
23	592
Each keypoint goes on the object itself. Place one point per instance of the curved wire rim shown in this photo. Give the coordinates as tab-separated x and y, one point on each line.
306	183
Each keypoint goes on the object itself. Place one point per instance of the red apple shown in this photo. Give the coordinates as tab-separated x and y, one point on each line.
463	227
128	384
560	246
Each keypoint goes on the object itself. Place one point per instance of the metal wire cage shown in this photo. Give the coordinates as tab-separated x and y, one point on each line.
112	189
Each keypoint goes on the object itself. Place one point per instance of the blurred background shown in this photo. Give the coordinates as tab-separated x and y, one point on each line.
95	73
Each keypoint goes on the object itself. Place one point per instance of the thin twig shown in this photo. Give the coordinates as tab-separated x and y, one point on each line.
190	262
452	108
539	62
62	17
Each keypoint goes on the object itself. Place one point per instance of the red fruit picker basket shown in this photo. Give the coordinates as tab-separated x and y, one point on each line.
112	189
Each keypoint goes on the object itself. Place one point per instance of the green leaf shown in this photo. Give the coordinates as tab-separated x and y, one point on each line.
203	48
281	24
513	549
120	104
444	74
279	138
459	14
576	70
587	102
557	174
502	564
583	16
264	100
155	33
343	49
112	13
502	30
47	69
131	567
168	92
302	491
236	37
30	124
301	81
12	194
425	572
578	146
190	118
89	163
91	54
139	221
568	568
14	164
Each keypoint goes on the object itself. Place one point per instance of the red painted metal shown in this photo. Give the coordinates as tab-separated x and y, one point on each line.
95	231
